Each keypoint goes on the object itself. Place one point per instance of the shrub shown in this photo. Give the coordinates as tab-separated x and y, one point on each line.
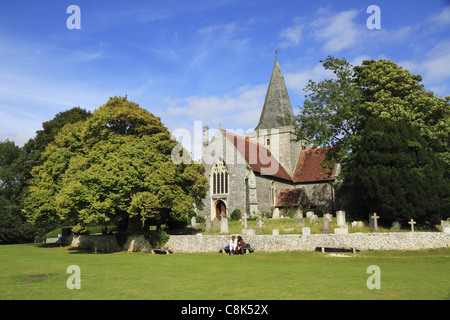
200	219
235	215
157	239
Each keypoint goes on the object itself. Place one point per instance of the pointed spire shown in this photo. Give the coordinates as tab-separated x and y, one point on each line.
277	110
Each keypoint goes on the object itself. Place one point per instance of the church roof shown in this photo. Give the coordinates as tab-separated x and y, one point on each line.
277	110
257	156
289	197
309	166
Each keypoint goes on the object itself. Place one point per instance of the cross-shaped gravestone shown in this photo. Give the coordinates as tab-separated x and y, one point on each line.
412	223
375	222
260	224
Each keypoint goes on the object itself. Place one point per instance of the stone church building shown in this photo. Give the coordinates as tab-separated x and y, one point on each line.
264	169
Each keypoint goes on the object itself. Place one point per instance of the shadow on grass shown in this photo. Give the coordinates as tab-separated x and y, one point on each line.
49	245
76	250
183	231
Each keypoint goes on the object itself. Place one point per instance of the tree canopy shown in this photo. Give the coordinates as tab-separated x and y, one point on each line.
389	133
335	110
111	168
393	173
13	227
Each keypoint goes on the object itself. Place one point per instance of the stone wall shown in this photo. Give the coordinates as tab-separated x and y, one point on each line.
270	243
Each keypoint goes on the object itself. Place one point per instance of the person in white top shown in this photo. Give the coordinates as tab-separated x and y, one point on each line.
233	245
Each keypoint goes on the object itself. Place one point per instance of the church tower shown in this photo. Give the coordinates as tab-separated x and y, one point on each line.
275	129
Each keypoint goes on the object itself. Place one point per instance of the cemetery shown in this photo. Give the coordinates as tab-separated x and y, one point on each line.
278	235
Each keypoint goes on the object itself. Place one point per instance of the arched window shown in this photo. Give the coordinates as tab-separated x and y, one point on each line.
220	178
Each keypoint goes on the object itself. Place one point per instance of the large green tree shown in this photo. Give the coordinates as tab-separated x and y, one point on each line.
335	110
111	168
392	172
13	227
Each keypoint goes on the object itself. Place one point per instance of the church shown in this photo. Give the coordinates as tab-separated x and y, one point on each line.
265	169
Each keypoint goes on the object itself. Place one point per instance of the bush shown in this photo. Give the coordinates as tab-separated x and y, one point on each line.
200	219
235	215
289	212
157	239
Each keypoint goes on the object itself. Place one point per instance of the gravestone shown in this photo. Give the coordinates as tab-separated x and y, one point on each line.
374	220
341	230
276	213
328	216
298	213
208	223
216	224
313	218
300	222
224	225
412	223
193	222
357	224
326	225
309	214
340	218
259	224
275	232
445	224
396	225
306	231
245	220
244	231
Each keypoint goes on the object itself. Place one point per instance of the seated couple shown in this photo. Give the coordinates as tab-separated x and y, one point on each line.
237	246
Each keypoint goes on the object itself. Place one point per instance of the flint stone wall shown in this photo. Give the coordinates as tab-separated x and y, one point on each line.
271	243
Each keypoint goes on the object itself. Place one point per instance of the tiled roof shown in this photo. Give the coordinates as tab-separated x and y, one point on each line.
309	166
289	197
257	156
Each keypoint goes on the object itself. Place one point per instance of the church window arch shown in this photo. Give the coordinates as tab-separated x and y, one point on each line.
220	179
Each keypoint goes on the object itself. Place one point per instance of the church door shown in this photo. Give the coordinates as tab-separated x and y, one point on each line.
220	207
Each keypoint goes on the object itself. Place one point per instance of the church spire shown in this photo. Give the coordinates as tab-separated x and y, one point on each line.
277	110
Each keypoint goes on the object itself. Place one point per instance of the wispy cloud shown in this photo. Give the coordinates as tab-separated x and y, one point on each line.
292	35
442	18
337	31
212	39
239	108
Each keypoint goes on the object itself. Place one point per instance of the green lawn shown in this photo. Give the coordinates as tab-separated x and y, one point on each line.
291	275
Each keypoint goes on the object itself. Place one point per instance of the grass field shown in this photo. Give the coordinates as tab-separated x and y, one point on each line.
289	275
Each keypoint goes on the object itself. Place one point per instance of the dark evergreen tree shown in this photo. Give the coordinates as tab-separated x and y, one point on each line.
13	227
394	173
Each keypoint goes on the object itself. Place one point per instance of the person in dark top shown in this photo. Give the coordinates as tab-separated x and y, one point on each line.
240	246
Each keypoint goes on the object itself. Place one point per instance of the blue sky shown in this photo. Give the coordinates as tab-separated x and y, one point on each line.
204	61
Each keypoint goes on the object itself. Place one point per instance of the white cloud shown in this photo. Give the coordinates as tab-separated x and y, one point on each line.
337	31
238	109
436	64
442	18
298	80
432	67
292	35
212	40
